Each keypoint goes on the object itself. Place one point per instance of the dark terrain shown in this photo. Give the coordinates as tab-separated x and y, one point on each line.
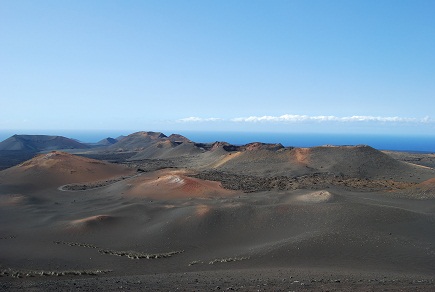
157	212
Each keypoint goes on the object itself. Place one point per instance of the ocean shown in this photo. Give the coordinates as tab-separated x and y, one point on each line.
413	143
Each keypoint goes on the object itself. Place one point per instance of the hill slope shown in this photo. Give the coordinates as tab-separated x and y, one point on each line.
136	141
39	143
355	161
58	168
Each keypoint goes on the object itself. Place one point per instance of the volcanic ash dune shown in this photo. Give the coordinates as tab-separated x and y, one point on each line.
91	223
58	168
170	184
12	200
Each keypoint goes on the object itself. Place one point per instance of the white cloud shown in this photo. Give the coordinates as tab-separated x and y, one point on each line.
283	118
305	118
426	119
376	119
288	118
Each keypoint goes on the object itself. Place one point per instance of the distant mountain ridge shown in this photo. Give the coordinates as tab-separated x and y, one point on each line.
106	141
256	158
137	141
36	143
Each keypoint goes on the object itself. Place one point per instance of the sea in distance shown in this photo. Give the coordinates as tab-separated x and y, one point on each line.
412	143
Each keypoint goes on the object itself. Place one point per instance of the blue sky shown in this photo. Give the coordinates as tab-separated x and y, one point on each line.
287	66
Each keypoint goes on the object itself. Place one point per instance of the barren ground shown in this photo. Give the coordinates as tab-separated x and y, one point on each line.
167	227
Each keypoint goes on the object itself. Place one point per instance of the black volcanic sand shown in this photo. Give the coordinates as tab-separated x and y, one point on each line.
323	236
268	279
254	234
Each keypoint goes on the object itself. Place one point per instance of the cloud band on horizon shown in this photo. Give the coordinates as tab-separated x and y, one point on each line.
305	118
